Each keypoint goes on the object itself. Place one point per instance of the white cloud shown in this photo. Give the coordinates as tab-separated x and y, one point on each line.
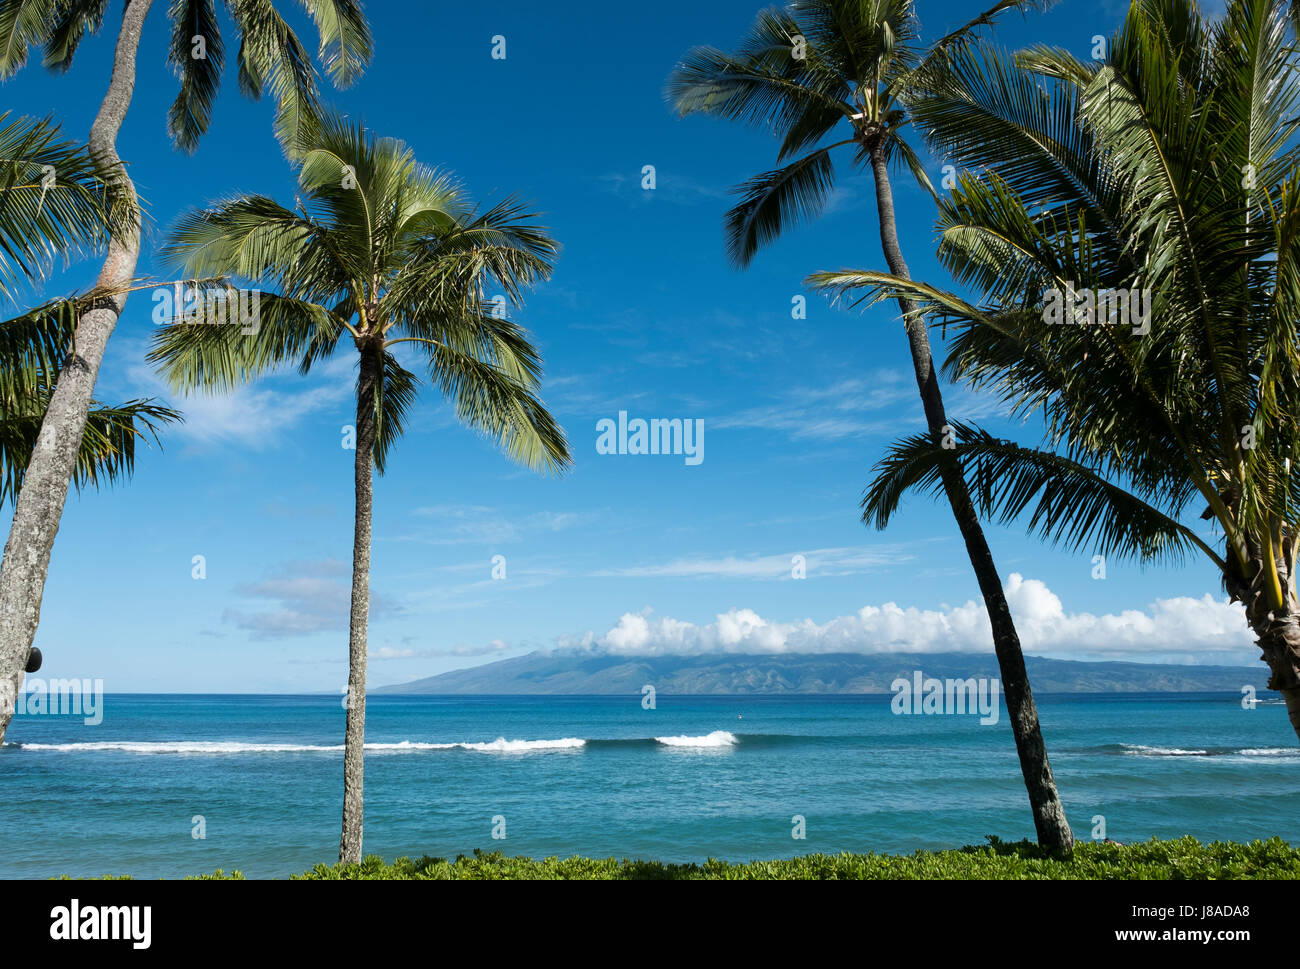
388	652
1182	629
254	417
259	415
305	598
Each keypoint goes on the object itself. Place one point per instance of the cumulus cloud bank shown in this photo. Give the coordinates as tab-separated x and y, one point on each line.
1180	630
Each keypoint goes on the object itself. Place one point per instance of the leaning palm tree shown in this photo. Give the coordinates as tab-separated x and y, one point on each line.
53	201
270	58
814	70
380	252
1163	180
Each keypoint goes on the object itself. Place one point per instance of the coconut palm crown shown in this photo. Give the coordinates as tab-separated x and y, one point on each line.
823	75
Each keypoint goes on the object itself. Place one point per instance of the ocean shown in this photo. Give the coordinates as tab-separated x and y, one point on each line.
260	778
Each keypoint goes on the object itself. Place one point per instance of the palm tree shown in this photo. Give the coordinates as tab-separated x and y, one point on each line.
387	252
1169	170
270	58
809	70
53	200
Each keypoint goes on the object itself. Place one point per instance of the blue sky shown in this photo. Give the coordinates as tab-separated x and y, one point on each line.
629	553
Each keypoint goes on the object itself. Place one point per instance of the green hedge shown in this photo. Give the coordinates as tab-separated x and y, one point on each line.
1185	858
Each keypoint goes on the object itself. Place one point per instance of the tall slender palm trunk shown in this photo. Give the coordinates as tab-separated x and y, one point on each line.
354	743
1049	815
39	507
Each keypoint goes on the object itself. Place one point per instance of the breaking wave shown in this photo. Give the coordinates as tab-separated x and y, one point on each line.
1141	750
500	745
719	738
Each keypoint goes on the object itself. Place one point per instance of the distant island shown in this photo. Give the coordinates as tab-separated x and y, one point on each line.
563	672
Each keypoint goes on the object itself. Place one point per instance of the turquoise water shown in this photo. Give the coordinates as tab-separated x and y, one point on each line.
725	780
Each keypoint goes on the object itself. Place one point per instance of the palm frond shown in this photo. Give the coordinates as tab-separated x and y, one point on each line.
74	19
765	84
23	24
345	42
395	392
270	54
196	55
53	200
774	200
222	353
108	443
1067	502
500	408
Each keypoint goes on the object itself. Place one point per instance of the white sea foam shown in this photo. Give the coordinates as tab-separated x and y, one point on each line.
719	738
1141	750
500	745
181	747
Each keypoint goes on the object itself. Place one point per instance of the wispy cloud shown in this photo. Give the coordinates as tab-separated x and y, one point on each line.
496	647
259	415
669	187
306	598
837	411
817	562
481	525
964	404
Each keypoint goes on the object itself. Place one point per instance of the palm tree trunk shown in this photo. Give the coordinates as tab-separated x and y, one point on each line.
1279	640
1049	814
1291	695
1278	630
45	487
354	744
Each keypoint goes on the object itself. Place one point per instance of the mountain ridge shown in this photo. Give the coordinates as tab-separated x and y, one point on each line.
720	674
